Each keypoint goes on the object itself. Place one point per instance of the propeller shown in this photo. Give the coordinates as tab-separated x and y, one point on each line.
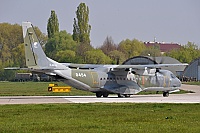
158	60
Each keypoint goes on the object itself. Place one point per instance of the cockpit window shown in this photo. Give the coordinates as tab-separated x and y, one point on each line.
173	76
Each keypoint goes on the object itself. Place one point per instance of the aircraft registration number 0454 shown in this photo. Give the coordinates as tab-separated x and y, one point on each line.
80	75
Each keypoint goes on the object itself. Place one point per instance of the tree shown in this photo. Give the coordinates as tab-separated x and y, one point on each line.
185	54
152	51
6	56
81	28
53	25
18	55
65	56
96	56
82	48
10	38
108	45
81	32
61	43
131	47
117	57
10	35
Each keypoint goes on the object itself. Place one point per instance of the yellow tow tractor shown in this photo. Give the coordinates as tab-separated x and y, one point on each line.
56	88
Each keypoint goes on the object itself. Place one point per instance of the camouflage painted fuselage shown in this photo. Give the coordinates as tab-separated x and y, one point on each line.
122	82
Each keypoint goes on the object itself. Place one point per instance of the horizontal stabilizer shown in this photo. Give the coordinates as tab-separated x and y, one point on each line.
15	68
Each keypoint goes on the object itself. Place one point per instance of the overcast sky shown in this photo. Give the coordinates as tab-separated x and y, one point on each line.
175	21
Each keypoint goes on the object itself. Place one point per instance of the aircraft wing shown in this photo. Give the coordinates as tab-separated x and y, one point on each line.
15	68
113	67
117	67
148	66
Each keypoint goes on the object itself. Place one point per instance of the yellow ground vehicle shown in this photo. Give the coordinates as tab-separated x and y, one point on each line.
56	88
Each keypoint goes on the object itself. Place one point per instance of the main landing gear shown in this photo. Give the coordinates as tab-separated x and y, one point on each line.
124	95
100	94
165	94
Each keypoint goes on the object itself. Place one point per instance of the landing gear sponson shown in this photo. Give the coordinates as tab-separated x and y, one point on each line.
124	95
100	94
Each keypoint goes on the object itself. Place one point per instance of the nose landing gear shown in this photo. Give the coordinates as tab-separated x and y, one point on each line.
165	94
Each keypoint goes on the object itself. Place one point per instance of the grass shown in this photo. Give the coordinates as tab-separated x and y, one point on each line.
192	83
34	89
99	117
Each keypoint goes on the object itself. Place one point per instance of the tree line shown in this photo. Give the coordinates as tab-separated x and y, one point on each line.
76	47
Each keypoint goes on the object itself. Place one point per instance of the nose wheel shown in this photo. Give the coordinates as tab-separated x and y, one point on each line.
165	94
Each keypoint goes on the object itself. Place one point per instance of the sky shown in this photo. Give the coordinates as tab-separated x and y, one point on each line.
176	21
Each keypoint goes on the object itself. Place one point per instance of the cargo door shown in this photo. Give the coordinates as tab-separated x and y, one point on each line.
95	80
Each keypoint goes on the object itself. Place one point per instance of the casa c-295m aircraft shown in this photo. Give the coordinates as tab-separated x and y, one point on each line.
123	80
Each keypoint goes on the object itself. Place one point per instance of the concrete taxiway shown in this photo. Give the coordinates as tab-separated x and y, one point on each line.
157	98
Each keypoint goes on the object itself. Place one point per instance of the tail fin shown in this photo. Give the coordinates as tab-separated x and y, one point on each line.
35	56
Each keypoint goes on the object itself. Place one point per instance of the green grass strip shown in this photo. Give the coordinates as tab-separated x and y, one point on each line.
101	118
35	89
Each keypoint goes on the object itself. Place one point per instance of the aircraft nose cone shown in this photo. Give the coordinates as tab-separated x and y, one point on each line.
177	83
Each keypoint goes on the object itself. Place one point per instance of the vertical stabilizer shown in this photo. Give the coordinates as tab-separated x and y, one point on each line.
35	56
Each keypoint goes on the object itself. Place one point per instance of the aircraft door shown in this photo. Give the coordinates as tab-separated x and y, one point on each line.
166	81
95	80
198	72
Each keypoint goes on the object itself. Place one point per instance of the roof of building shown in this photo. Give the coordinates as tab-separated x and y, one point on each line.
164	47
155	60
197	61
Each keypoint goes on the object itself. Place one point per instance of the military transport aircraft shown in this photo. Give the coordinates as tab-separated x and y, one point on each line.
123	80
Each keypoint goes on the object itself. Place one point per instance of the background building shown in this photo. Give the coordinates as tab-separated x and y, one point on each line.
192	71
164	47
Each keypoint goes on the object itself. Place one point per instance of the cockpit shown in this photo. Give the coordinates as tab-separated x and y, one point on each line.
175	82
172	76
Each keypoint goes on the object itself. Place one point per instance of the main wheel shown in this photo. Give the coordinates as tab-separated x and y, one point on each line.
119	95
165	94
105	94
127	95
99	94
